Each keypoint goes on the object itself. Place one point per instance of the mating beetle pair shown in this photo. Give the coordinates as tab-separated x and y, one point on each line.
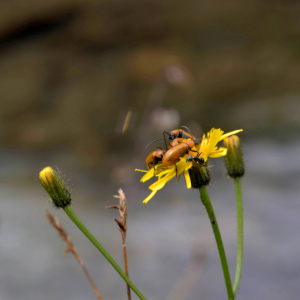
181	143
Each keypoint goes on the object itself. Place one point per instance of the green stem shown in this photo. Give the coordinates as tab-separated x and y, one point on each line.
214	224
240	239
78	223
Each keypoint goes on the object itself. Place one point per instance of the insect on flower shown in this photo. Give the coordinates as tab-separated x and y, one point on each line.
177	148
205	149
154	158
176	142
179	133
173	155
196	160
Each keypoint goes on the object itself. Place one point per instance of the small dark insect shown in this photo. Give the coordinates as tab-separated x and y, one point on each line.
196	160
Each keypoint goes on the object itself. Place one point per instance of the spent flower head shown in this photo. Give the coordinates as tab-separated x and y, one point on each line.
122	207
207	148
55	187
234	158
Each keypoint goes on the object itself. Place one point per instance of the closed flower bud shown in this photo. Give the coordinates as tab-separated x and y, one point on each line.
55	187
200	176
234	158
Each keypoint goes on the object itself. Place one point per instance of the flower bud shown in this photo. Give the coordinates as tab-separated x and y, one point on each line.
234	158
55	187
200	176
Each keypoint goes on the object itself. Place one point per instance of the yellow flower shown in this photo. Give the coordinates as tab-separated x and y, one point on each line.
207	148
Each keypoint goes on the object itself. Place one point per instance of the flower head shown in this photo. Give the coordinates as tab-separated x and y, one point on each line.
207	148
55	187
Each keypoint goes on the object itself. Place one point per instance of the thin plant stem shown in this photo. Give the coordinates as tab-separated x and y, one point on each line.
126	263
214	224
86	232
87	274
240	238
70	248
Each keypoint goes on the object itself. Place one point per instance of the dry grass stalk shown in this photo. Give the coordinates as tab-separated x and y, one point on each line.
123	229
70	248
127	121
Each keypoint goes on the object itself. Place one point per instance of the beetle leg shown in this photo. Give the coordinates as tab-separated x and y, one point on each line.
198	154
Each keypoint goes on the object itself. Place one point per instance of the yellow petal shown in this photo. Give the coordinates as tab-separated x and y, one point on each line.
178	178
164	172
148	175
214	139
149	197
218	153
181	165
205	158
229	134
141	170
160	183
187	179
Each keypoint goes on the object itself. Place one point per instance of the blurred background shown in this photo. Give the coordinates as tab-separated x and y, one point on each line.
86	85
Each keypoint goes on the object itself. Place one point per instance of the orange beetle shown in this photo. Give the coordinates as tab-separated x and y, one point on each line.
175	134
179	133
154	158
173	155
176	142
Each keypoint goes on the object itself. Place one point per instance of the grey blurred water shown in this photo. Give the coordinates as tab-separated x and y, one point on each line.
164	237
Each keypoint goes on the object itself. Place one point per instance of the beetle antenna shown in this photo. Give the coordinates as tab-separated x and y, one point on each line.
153	142
166	132
187	130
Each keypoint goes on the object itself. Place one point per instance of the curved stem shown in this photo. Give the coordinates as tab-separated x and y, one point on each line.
214	224
79	224
240	242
